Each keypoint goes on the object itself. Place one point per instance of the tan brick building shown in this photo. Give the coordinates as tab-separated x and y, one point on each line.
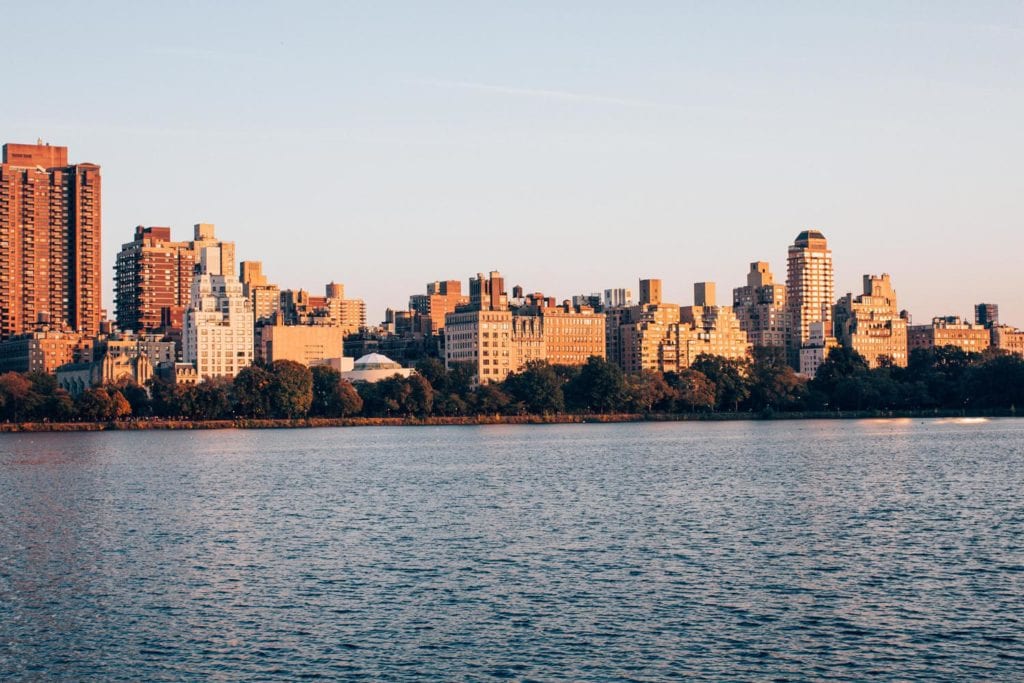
760	307
496	341
667	338
50	241
871	324
949	331
1008	339
310	345
442	298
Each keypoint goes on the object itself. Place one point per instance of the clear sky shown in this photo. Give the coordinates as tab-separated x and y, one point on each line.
573	146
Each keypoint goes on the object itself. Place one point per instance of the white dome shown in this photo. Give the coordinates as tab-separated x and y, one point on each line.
376	361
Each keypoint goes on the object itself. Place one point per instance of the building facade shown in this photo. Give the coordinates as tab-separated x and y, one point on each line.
50	246
760	307
310	345
949	331
809	290
153	276
871	324
219	337
495	340
152	281
1009	339
43	351
264	296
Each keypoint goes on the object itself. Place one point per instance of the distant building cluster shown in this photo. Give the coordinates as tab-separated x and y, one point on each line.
185	311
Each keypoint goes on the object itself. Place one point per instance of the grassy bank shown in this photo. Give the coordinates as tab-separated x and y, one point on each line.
147	424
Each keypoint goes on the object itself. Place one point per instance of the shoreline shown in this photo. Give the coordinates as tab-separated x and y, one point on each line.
476	420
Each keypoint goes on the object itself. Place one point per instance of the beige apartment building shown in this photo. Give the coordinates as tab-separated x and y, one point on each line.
809	289
1009	339
814	352
949	331
264	296
871	324
496	341
760	307
298	307
667	338
218	337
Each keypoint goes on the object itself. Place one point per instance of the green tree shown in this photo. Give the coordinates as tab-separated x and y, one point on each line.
251	391
694	391
649	389
166	398
326	392
997	382
138	398
291	389
537	388
490	399
420	399
94	405
600	387
208	400
730	377
16	396
773	383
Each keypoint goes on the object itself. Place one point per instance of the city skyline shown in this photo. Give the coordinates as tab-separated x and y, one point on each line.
644	144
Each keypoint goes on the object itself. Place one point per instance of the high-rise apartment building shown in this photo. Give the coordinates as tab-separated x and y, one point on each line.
760	307
152	281
219	327
265	297
650	291
809	289
871	324
50	228
986	315
153	276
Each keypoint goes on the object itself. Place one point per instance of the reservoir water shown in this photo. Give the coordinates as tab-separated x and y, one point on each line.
805	550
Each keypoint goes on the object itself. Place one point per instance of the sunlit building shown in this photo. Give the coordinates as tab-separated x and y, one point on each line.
809	289
760	307
949	330
50	246
871	324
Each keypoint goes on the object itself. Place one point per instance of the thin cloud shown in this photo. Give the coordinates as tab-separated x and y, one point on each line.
558	95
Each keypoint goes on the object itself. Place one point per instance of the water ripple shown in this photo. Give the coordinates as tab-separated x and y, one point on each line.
833	551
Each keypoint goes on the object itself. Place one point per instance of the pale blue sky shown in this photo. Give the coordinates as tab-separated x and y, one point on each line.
574	146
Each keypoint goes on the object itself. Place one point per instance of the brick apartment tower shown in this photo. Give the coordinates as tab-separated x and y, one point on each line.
49	241
152	281
809	290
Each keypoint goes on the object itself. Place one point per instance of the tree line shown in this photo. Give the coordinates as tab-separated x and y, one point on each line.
942	379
